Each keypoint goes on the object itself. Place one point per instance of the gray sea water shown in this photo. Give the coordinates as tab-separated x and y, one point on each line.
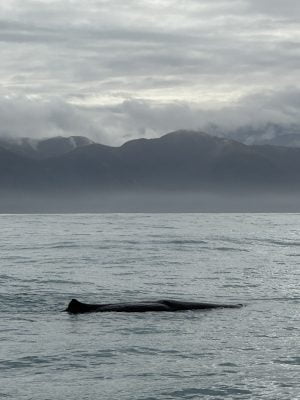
248	353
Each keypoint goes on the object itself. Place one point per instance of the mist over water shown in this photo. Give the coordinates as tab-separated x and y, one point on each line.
148	201
248	353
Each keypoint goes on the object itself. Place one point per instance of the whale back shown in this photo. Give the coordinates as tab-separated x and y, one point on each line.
76	307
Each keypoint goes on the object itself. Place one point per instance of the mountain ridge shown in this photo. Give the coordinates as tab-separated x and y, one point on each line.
44	148
180	160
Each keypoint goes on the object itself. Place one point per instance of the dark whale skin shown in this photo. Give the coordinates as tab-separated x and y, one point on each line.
76	307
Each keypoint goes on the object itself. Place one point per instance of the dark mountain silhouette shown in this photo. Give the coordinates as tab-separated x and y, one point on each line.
44	148
17	171
180	161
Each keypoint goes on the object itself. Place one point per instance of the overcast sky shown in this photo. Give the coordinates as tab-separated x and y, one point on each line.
118	69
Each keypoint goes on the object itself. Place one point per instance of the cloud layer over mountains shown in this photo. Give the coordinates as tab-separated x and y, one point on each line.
115	124
114	70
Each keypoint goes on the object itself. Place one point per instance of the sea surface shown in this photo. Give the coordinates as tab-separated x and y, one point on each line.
247	353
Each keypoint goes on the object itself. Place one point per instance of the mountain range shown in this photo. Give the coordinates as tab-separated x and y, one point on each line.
178	161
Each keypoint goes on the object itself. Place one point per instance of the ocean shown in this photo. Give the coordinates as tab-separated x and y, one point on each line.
247	353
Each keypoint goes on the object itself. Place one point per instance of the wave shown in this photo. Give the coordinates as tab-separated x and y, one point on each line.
185	241
229	249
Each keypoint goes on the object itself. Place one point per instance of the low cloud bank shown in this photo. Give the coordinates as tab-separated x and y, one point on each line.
136	118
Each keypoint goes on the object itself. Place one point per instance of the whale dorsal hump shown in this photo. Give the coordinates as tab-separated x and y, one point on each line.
74	306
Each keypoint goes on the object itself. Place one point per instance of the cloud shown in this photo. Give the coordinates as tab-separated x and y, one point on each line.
25	117
135	118
257	110
111	48
282	9
113	69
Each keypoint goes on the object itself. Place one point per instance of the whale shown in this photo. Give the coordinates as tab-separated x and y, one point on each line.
77	307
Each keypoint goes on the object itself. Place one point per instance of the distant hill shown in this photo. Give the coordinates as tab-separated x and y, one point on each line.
44	148
177	161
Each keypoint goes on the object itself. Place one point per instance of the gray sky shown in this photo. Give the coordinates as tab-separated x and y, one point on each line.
118	69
